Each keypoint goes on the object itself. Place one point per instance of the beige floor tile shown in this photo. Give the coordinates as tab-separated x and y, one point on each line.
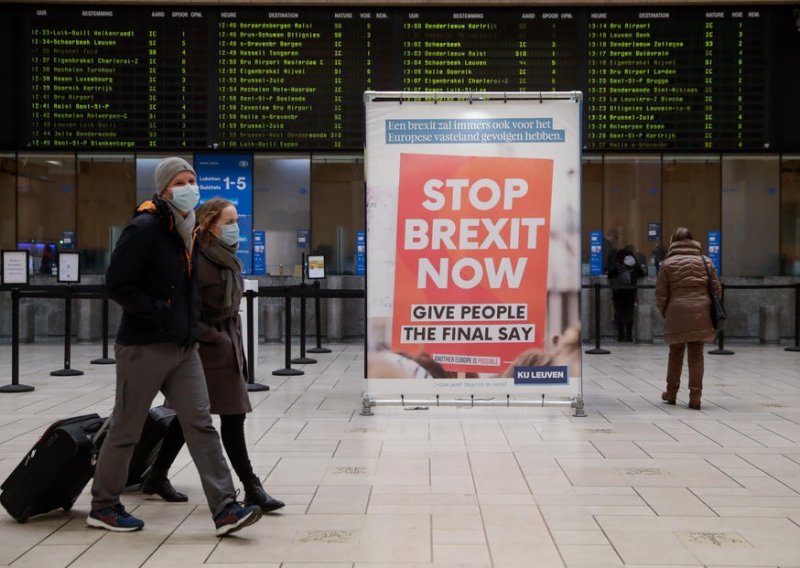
585	537
169	555
333	538
17	539
457	522
644	473
340	500
709	541
517	535
499	487
458	537
589	555
359	449
675	502
461	554
316	565
620	449
51	556
452	484
498	473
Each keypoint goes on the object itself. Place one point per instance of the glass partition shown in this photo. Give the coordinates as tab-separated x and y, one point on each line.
106	201
790	215
691	196
46	206
591	203
337	209
631	201
8	201
281	208
750	211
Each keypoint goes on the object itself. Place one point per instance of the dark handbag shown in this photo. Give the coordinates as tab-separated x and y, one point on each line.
718	313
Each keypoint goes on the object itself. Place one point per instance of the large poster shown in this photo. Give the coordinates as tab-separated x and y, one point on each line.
473	256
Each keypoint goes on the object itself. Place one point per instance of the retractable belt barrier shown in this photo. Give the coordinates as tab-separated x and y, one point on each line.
720	350
303	291
70	292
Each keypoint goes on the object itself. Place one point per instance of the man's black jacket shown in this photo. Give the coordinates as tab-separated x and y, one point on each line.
150	275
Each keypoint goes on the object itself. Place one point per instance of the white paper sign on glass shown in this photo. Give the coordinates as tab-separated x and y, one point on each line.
316	267
69	267
15	267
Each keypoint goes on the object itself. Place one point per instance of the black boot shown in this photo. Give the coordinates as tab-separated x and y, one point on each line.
254	494
158	483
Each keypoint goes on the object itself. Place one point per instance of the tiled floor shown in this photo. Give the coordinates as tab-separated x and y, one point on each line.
635	483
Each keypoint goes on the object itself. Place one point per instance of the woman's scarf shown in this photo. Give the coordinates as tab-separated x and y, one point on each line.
224	256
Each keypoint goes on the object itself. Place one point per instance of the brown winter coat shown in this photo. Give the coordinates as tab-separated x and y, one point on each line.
682	293
220	337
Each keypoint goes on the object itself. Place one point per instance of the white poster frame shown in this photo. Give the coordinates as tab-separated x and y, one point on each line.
495	391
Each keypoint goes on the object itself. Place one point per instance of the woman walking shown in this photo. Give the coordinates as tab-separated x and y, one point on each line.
221	352
682	298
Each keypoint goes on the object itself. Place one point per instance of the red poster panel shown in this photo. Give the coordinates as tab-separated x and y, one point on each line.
470	285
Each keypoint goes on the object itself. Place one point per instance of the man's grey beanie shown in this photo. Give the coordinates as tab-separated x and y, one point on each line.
167	169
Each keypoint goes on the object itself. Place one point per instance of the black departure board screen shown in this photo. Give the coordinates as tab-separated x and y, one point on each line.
292	78
678	79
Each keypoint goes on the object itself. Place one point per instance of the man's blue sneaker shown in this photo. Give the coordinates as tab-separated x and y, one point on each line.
235	517
115	519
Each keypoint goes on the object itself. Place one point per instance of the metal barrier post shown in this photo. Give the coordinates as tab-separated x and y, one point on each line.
303	360
796	346
318	323
720	350
287	370
597	349
67	371
15	386
105	359
252	385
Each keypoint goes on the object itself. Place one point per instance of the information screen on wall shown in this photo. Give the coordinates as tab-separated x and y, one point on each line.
260	78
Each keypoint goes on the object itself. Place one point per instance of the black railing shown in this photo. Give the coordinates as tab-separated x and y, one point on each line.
301	291
720	350
83	291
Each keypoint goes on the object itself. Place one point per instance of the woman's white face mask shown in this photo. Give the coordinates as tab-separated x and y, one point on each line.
230	234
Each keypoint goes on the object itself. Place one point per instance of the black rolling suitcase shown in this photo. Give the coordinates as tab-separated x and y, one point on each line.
56	469
155	428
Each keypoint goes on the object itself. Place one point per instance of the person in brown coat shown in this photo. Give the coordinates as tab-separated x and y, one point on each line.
682	299
221	350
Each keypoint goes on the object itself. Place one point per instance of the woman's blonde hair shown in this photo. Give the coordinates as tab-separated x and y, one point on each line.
207	214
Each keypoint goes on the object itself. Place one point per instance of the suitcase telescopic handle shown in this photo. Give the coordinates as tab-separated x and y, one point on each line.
97	436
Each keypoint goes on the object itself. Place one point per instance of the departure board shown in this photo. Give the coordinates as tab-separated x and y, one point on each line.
292	78
678	79
489	51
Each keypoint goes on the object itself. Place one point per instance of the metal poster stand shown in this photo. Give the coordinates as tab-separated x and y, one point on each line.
385	162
